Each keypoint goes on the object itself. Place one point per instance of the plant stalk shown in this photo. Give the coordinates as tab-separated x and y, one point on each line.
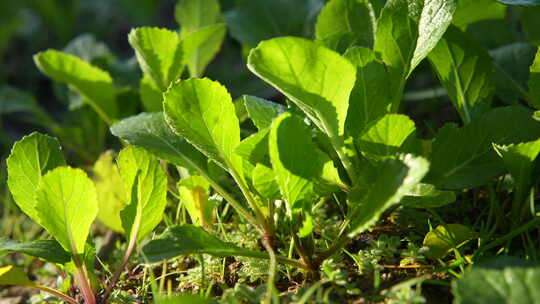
81	279
55	293
123	263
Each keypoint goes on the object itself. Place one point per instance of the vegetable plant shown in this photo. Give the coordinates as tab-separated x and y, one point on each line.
334	136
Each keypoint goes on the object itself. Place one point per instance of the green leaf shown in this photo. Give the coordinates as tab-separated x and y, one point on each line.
192	15
464	69
255	148
264	182
146	181
316	79
193	192
435	18
252	21
441	240
49	250
151	96
370	97
94	84
386	136
471	11
511	63
464	157
188	239
159	54
111	198
395	178
149	130
427	196
345	23
531	24
202	112
521	2
29	160
500	281
66	204
201	46
11	275
297	163
519	161
404	43
534	81
262	112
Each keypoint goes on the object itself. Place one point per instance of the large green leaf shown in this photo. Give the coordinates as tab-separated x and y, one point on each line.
111	198
519	161
464	69
315	78
534	81
386	136
94	84
149	130
297	162
511	63
159	54
370	97
264	182
202	112
30	159
145	180
500	281
201	46
395	178
407	31
192	15
471	11
441	240
464	157
49	250
252	21
344	23
66	203
262	112
188	239
435	18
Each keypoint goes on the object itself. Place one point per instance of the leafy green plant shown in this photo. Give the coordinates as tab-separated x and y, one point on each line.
335	137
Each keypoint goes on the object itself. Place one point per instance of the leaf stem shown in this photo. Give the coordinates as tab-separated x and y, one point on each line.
81	278
123	263
55	293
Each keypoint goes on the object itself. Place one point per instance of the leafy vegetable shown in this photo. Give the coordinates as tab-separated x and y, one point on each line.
145	181
66	204
201	111
91	82
344	23
159	54
464	69
30	158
